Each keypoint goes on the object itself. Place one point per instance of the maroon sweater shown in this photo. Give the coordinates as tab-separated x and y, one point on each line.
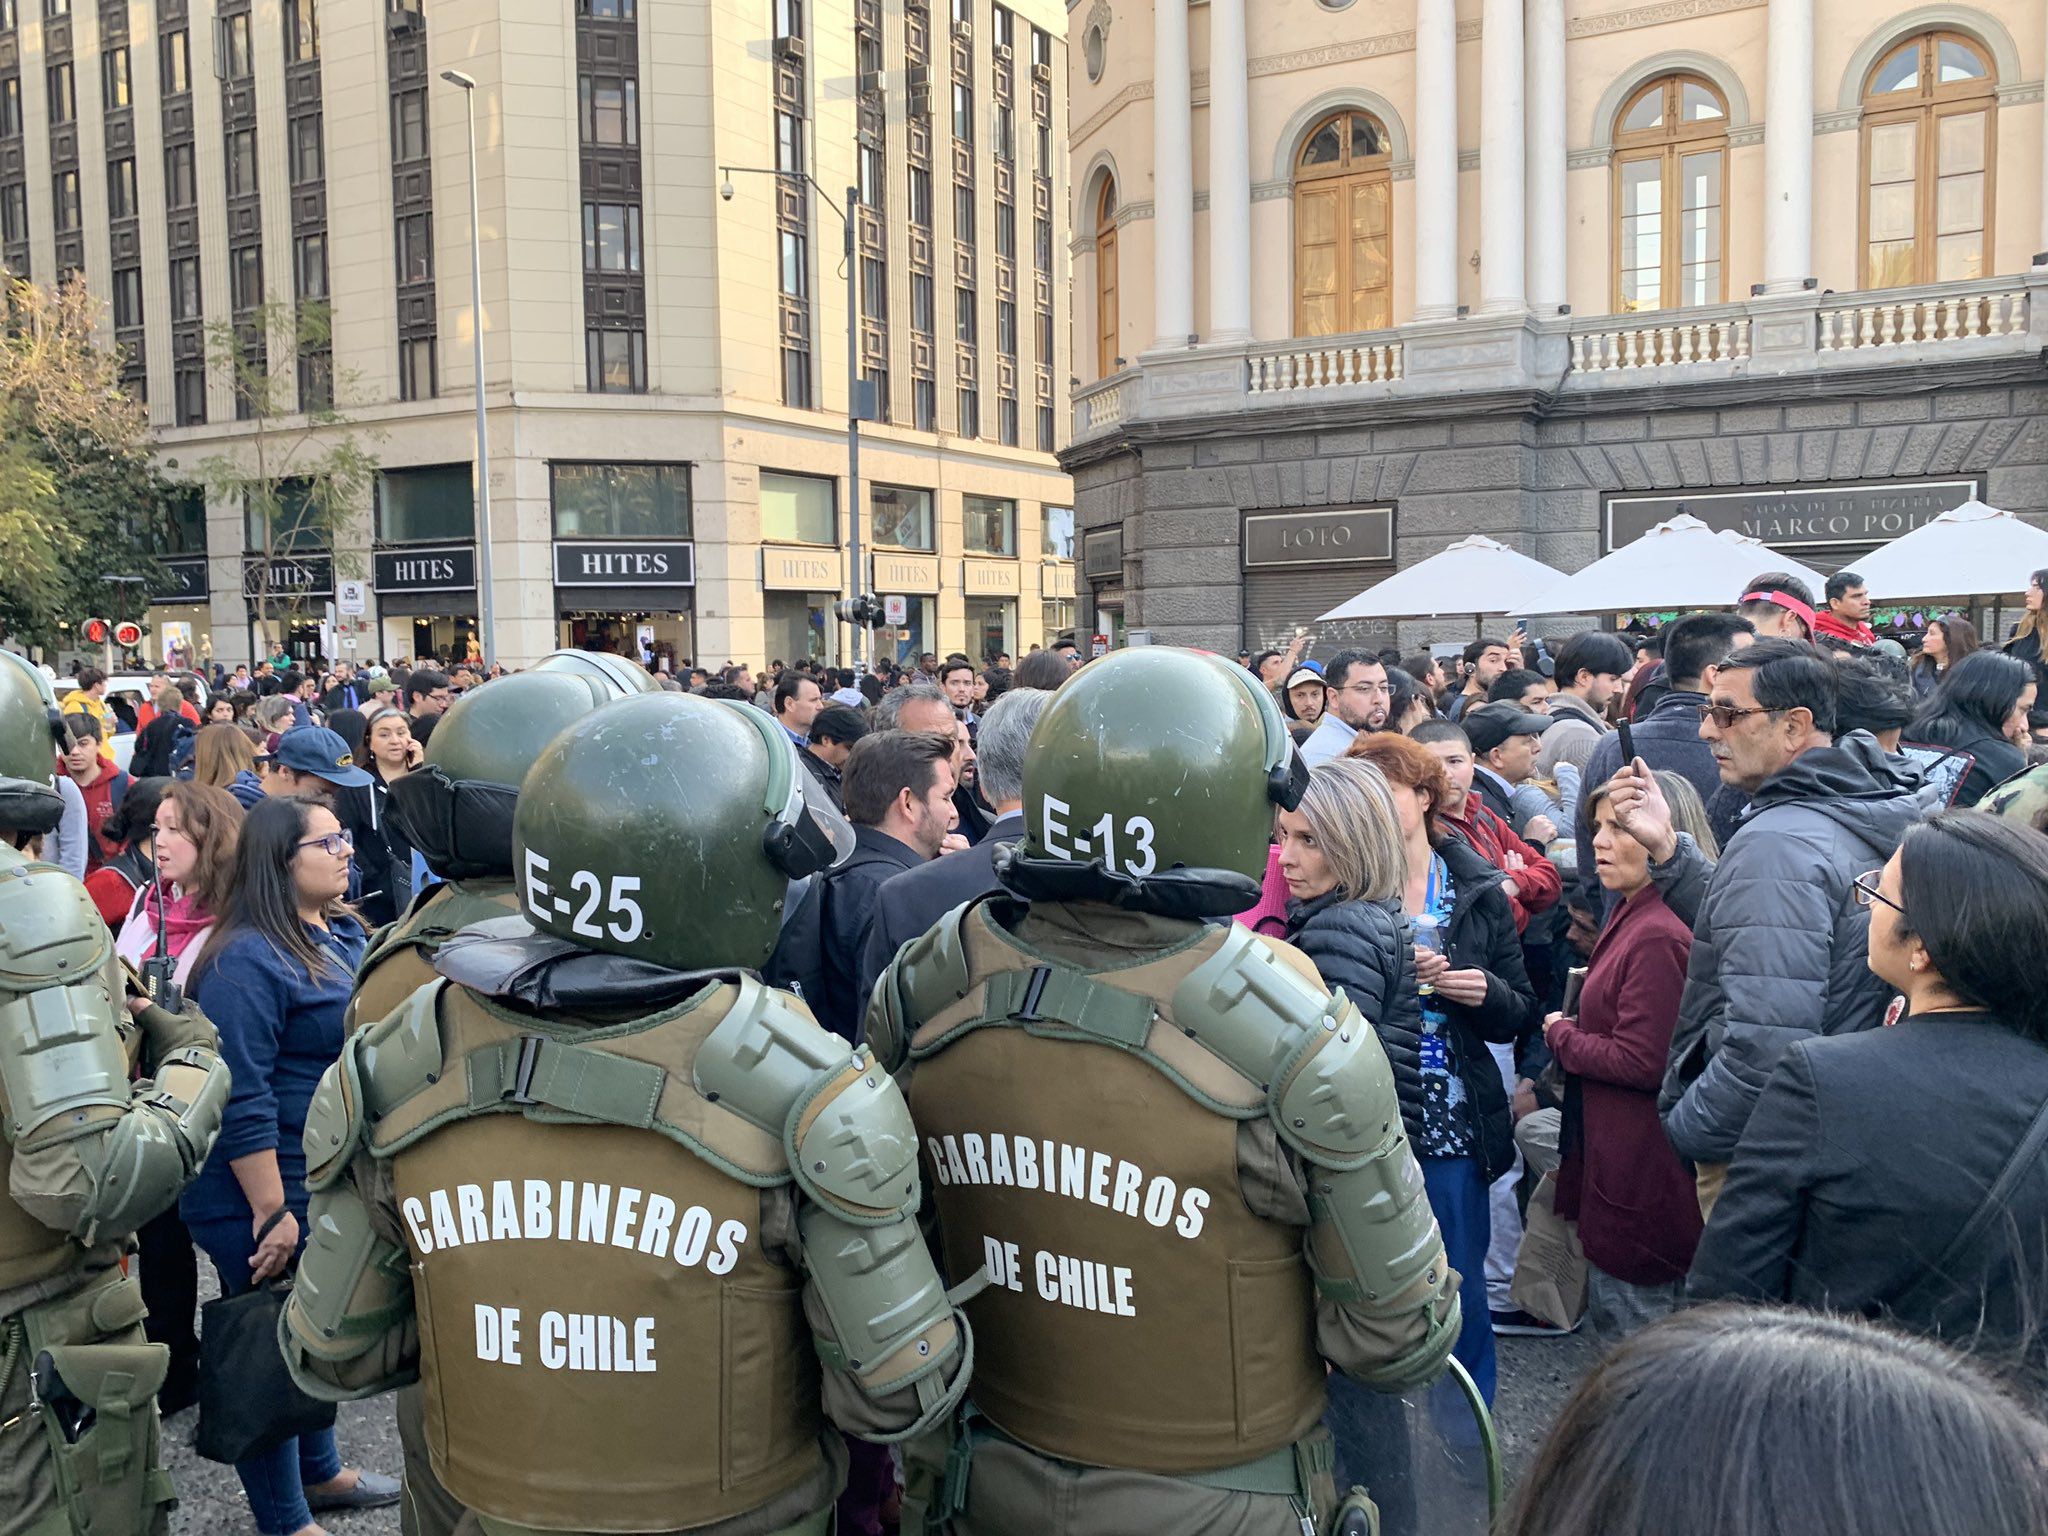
1638	1214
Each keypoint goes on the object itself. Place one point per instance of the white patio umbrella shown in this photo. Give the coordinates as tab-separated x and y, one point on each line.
1476	575
1680	563
1969	551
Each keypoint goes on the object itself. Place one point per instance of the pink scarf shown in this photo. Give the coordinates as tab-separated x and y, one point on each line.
183	921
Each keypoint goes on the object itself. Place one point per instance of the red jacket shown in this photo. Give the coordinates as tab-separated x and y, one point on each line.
1636	1204
1826	625
1537	883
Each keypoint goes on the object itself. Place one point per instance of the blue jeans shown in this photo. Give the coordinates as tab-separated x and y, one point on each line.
275	1481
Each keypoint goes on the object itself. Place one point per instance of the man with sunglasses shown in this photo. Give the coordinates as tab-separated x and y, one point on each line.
1778	947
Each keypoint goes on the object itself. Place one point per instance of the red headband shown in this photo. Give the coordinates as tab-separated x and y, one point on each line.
1786	601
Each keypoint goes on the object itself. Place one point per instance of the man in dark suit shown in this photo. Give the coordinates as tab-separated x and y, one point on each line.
906	905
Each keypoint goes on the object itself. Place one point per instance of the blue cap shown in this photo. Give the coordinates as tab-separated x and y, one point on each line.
316	750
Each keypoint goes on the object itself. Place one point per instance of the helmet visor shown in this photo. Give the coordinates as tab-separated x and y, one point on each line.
811	834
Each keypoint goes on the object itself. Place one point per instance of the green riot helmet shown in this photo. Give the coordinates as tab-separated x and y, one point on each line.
31	735
1150	783
456	807
668	828
619	672
2022	798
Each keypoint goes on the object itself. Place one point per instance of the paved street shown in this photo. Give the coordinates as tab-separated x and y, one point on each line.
1536	1376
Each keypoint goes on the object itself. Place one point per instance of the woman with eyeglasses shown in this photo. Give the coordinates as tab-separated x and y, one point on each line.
274	976
1903	1172
1980	708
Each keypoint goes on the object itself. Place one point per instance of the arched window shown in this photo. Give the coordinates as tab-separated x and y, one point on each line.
1670	181
1927	162
1344	228
1106	348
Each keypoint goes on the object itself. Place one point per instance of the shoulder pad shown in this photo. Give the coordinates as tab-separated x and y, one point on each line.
1335	1101
334	1119
766	1055
398	1056
1248	1005
930	974
51	933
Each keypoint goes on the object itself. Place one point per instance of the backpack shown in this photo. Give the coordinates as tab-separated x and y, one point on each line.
797	963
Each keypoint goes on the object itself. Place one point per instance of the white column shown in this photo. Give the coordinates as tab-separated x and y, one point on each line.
1230	177
1173	178
1546	156
1501	144
1788	146
2043	252
1436	160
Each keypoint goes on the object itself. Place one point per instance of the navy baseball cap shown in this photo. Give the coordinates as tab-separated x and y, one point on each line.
316	750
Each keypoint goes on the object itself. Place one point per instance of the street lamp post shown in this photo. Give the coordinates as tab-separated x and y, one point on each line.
487	640
858	408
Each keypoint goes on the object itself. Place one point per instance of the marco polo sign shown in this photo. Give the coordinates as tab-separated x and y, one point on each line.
627	563
1325	536
1859	514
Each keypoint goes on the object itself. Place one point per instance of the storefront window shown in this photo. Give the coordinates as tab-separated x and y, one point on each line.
431	505
1057	532
902	517
1059	616
621	501
798	509
185	521
991	627
991	525
799	625
918	635
297	519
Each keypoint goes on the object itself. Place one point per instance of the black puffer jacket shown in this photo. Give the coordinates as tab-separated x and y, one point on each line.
1350	942
1367	949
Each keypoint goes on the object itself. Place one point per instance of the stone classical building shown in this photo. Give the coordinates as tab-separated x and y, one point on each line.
665	369
1356	277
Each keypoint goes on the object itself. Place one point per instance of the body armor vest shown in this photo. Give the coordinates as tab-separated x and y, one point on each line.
30	1252
1140	1316
605	1345
401	957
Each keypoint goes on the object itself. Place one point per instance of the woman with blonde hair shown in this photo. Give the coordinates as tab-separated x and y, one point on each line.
223	758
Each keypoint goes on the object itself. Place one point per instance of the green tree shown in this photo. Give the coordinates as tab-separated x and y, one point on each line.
81	503
302	475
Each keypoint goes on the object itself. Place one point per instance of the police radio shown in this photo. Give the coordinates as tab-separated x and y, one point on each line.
160	970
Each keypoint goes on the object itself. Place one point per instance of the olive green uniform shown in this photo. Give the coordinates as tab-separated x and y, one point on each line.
642	1232
1176	1153
399	962
86	1157
456	809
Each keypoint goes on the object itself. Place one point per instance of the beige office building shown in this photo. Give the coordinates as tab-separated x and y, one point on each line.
665	369
1354	278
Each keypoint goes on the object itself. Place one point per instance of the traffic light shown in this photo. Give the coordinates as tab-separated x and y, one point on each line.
128	633
95	631
865	609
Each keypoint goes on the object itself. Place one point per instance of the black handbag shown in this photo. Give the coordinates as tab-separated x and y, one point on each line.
248	1402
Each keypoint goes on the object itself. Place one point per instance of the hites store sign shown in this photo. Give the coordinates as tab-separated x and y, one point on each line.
635	563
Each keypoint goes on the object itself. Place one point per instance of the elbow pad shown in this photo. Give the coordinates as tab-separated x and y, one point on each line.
152	1152
349	1329
1375	1247
893	1325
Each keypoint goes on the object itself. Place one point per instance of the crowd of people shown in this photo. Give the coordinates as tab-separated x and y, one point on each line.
1692	942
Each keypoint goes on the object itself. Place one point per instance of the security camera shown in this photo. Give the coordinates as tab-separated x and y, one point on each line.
725	190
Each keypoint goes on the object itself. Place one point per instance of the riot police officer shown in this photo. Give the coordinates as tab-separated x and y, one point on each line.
86	1157
1176	1154
623	1209
456	808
